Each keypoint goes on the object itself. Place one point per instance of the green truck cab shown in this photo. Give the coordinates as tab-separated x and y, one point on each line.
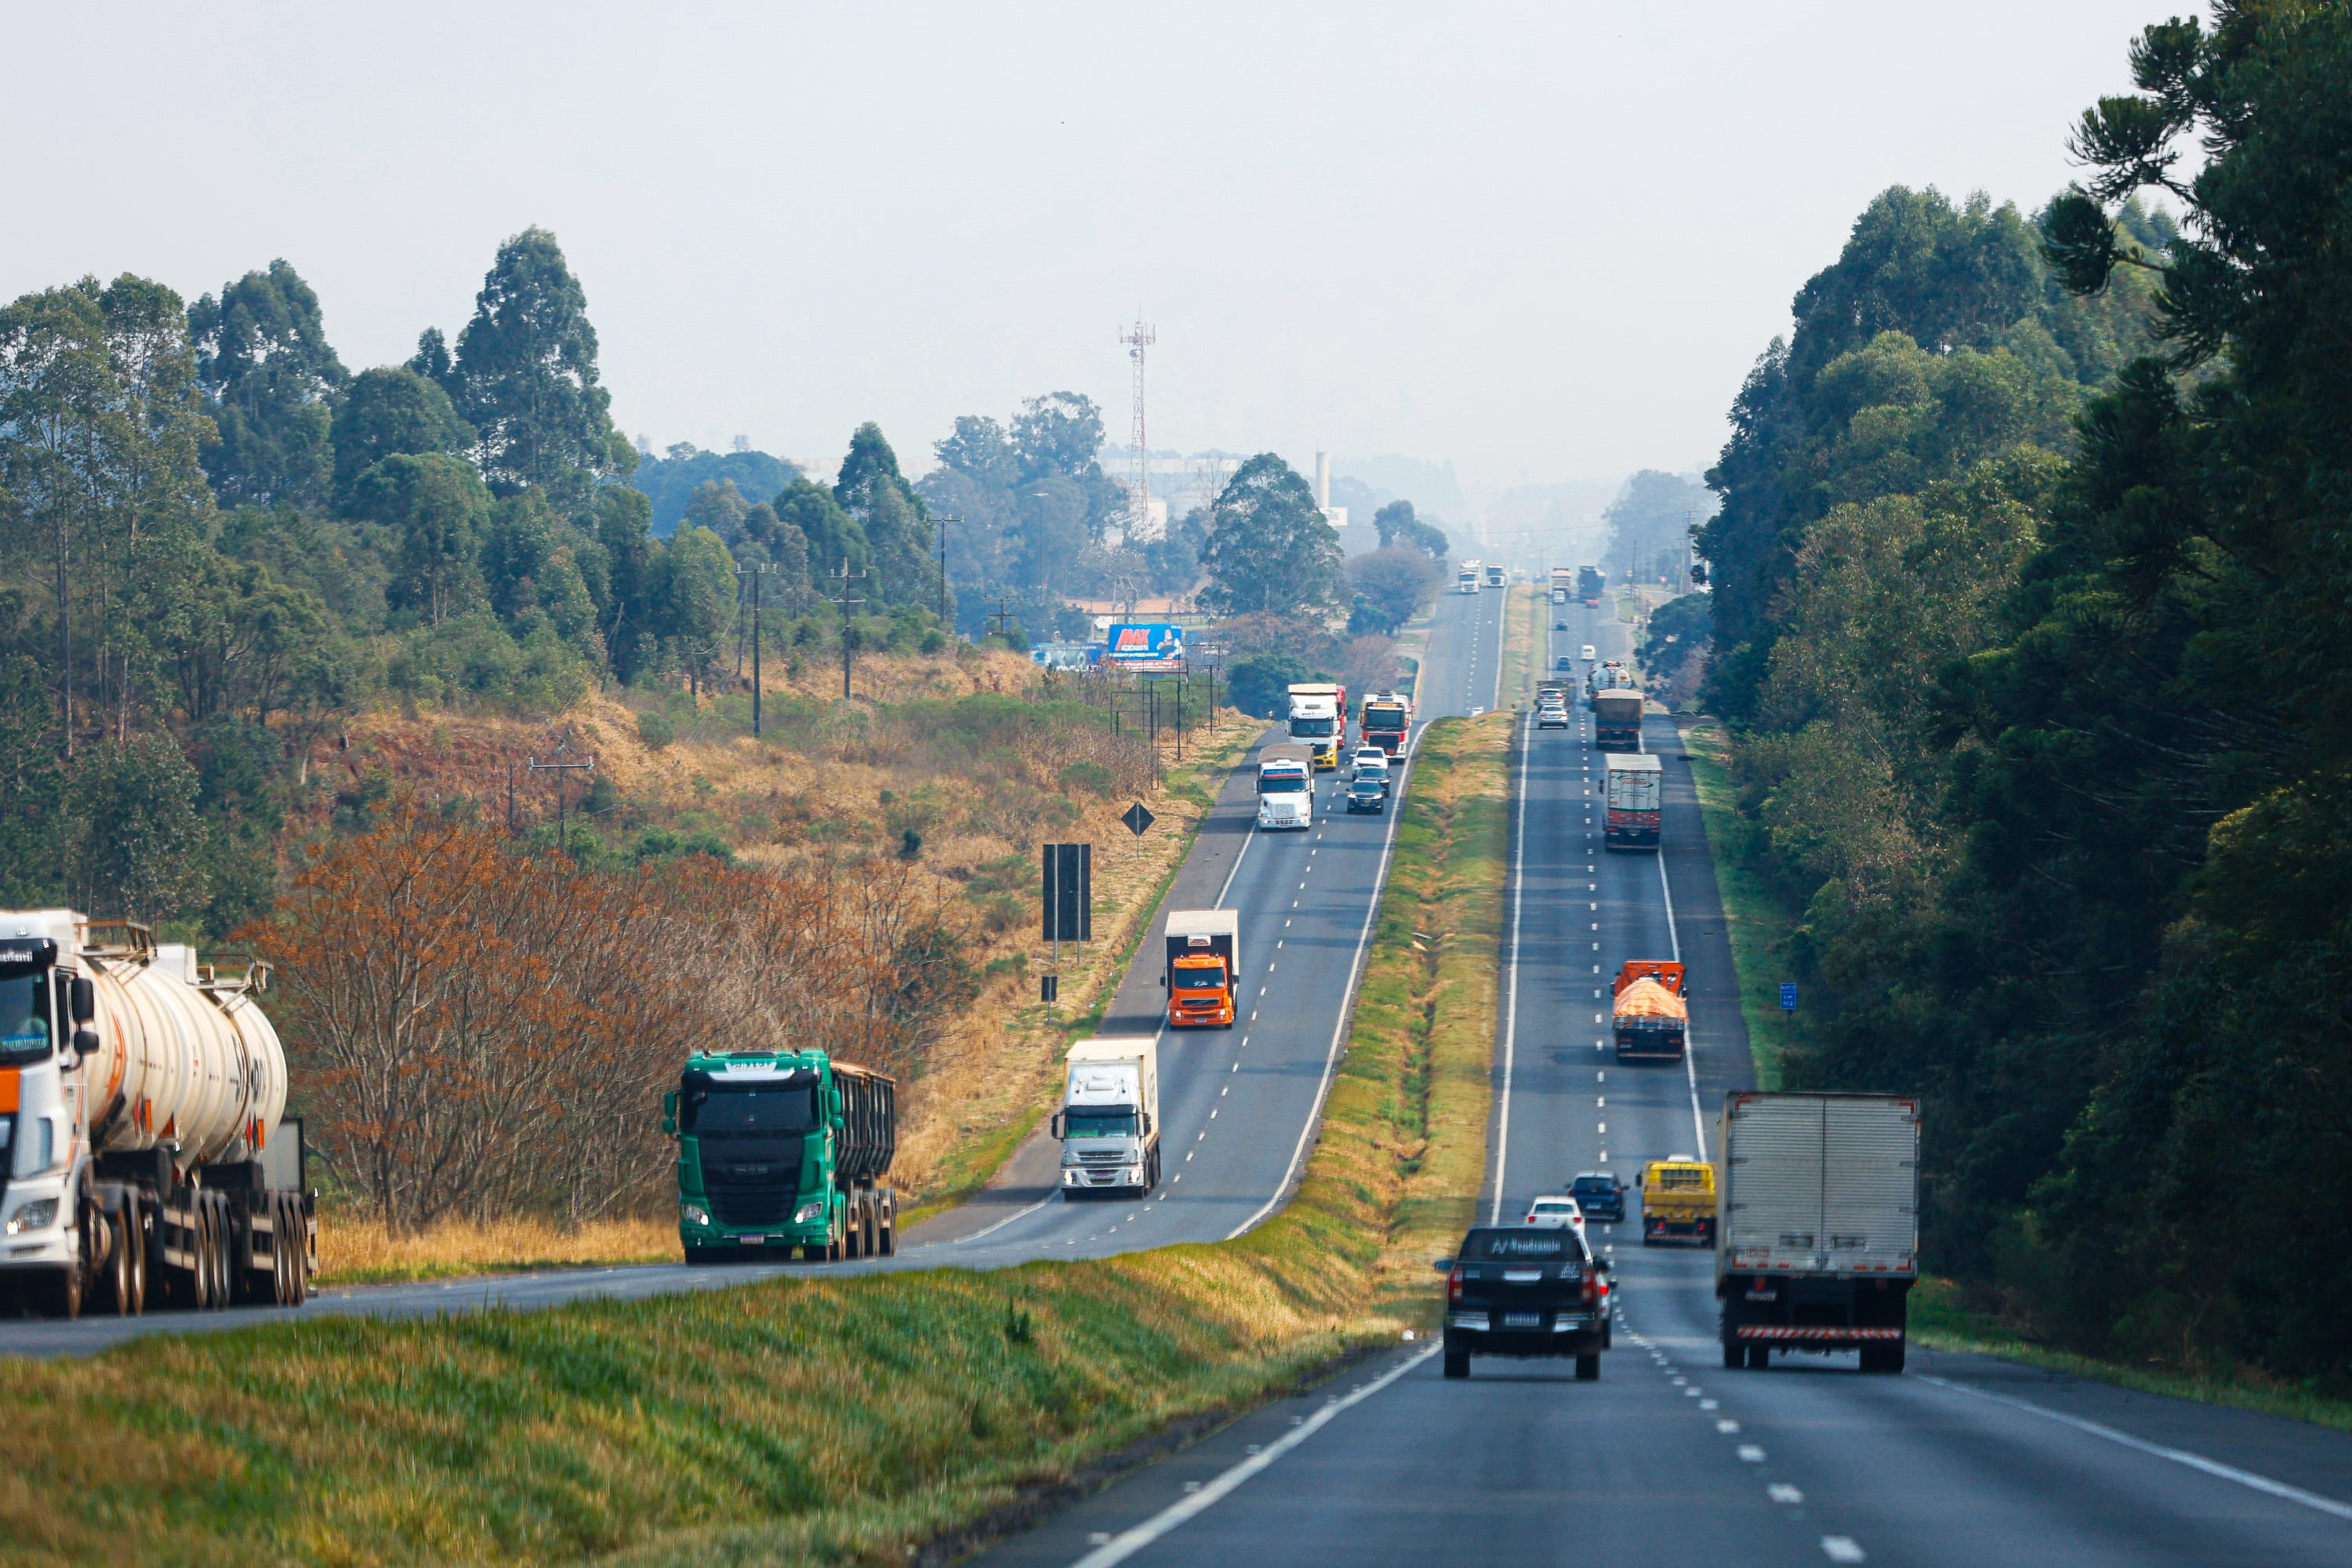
778	1150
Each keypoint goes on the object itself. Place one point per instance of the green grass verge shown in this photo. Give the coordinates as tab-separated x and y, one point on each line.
1940	1319
801	1420
1757	923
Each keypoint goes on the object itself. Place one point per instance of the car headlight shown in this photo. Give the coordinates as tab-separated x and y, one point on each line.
694	1214
809	1213
39	1215
1135	1173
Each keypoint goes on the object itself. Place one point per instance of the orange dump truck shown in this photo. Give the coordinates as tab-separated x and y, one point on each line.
1652	1015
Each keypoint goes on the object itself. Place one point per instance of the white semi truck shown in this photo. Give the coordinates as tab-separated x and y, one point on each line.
1286	786
1110	1120
1467	580
144	1153
1817	1243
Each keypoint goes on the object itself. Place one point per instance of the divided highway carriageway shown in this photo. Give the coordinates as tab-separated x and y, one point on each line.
1961	1462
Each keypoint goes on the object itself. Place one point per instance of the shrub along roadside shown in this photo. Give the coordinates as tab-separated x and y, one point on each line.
798	1419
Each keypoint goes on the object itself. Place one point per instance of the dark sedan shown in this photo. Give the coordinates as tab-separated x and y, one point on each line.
1521	1290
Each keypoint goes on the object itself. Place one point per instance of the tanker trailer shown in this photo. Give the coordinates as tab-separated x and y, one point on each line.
145	1150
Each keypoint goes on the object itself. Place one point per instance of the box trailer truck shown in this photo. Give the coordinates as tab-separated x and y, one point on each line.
1110	1120
1202	971
1636	783
1819	1240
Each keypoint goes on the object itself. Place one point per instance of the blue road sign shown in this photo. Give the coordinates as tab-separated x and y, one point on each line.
1788	997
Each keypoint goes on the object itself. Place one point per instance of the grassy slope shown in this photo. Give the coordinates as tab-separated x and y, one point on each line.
801	1420
1753	917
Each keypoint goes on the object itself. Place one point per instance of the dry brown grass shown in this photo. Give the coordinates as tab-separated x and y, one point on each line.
354	1249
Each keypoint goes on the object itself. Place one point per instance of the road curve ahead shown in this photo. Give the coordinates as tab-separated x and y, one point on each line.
1669	1460
1237	1107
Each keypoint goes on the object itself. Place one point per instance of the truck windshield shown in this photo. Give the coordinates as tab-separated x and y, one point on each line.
1193	976
1109	1122
716	1111
1686	1179
1311	729
1281	783
24	1017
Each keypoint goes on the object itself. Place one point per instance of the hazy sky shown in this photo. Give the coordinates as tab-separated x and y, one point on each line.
1545	242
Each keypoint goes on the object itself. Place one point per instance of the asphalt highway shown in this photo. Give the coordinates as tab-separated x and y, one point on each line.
1238	1107
1670	1459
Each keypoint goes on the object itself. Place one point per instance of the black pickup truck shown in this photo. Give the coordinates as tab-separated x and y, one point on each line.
1522	1290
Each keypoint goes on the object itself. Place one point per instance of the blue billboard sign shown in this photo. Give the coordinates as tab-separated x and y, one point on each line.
1788	997
1149	648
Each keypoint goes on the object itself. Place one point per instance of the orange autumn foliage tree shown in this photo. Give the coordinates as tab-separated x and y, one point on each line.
480	1032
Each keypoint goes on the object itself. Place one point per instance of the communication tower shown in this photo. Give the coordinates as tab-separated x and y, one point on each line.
1138	496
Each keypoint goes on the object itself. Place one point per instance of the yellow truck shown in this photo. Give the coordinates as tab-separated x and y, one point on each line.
1677	1201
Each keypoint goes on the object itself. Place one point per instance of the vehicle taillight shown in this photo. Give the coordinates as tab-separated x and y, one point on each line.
1454	1285
1591	1287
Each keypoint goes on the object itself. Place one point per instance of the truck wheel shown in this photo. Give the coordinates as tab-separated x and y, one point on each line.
115	1294
1883	1358
1587	1368
1759	1358
1457	1363
136	1245
1734	1356
889	1241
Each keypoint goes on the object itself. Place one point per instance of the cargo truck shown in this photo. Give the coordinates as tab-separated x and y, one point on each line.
780	1152
1636	782
1819	1243
1110	1120
1468	580
1202	968
1652	1012
146	1156
1589	583
1286	786
1498	576
1617	720
1388	720
1318	715
1678	1201
1563	582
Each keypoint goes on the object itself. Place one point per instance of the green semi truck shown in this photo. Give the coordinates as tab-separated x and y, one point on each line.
778	1150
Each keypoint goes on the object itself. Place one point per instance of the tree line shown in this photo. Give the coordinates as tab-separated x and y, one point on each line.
2028	619
216	544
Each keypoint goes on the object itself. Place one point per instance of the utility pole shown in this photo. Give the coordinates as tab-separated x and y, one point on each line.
845	577
755	574
560	767
942	518
1002	619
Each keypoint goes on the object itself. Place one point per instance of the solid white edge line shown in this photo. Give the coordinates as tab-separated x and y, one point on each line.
1511	991
1690	1044
1128	1543
992	1229
1347	996
2214	1468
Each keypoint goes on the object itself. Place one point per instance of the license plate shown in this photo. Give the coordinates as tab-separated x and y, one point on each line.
1523	1319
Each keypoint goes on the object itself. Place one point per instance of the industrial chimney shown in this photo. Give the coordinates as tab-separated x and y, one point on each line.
1323	480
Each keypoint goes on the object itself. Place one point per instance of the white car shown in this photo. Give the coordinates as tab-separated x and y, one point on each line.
1554	1210
1475	712
1369	758
1551	716
1588	654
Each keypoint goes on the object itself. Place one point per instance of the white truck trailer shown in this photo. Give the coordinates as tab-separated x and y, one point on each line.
1467	580
1817	1245
1110	1120
144	1154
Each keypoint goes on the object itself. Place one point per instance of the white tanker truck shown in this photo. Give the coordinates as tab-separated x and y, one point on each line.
144	1153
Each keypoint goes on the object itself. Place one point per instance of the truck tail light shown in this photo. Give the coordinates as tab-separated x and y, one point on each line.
1453	1285
1591	1287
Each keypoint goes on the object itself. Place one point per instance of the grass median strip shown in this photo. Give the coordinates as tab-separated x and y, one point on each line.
803	1420
1756	922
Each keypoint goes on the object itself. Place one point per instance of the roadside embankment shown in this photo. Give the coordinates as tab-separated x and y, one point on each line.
804	1420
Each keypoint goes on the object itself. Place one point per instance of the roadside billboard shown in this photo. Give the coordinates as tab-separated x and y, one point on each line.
1147	647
